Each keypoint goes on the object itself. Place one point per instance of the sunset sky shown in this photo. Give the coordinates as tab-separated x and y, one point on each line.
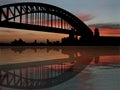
89	11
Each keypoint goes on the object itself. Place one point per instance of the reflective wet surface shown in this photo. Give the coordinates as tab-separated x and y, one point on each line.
60	68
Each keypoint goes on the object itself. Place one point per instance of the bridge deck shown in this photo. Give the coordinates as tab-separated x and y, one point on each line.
34	27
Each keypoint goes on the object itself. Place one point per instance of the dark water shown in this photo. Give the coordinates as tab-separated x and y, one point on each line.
60	68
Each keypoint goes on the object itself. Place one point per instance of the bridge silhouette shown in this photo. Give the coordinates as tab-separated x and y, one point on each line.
48	18
42	17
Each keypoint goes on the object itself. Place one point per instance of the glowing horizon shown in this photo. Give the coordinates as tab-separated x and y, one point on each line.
8	35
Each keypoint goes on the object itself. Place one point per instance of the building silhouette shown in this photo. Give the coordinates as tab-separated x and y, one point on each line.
18	42
96	32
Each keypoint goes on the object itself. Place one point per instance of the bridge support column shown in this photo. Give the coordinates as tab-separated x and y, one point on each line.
0	14
20	14
72	38
7	14
26	16
14	13
51	20
72	34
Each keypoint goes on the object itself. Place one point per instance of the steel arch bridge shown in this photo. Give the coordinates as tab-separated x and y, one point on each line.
42	17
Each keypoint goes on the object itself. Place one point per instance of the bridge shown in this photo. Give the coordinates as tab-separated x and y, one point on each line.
42	17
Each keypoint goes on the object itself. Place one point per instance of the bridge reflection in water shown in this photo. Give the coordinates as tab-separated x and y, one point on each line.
48	73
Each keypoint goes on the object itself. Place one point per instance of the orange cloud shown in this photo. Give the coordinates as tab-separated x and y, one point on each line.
108	31
85	17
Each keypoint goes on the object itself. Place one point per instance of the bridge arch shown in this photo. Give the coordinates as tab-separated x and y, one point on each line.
26	8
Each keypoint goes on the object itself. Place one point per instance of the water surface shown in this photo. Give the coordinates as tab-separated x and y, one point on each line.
60	68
